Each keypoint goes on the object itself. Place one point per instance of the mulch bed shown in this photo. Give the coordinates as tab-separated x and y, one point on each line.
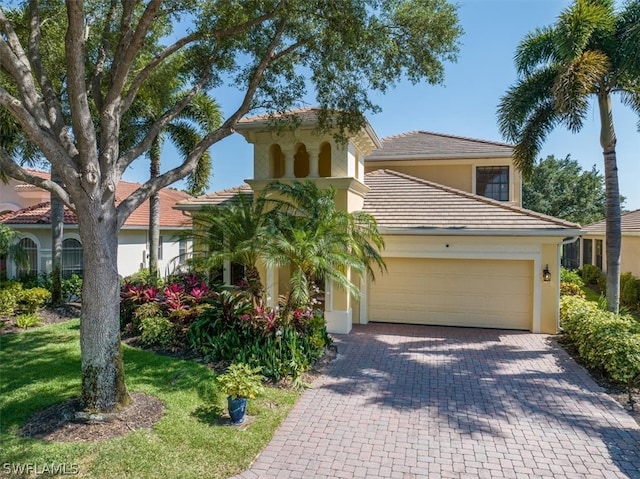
59	422
48	315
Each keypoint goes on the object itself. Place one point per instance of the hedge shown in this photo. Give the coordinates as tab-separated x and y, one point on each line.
605	341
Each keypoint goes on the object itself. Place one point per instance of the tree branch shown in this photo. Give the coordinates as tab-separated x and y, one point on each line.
96	81
15	171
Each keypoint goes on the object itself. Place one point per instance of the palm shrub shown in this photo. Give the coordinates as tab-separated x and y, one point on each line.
591	273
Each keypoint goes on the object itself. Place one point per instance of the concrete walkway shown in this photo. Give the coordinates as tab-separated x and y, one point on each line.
433	402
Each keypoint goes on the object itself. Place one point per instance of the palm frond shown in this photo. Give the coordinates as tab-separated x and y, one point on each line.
536	50
539	124
581	23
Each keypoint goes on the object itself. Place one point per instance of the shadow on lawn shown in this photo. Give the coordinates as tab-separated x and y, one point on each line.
483	382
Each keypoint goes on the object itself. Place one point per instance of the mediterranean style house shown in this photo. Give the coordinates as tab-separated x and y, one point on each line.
460	250
26	209
593	244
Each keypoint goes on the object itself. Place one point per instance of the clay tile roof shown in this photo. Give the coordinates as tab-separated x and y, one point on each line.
629	221
400	201
425	144
169	217
218	198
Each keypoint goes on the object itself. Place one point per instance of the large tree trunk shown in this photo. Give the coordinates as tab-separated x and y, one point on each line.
154	214
57	231
613	236
103	386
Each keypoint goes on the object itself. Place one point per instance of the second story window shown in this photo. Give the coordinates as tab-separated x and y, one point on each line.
493	182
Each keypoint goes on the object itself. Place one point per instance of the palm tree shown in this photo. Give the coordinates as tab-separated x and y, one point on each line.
236	232
319	242
10	249
590	52
185	131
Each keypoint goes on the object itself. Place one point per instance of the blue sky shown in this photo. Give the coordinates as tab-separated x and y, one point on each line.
466	103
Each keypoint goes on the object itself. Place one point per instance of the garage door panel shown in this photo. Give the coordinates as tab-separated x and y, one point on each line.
480	293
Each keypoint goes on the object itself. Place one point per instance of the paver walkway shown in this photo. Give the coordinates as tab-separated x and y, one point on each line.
433	402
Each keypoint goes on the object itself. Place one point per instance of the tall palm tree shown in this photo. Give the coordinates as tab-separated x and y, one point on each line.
591	52
185	131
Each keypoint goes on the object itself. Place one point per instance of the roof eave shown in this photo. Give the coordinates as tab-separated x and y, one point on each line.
439	156
558	232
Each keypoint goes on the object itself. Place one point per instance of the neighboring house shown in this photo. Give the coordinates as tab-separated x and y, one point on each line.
460	250
593	245
26	209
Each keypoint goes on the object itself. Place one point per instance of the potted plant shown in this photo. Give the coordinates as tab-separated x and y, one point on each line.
239	383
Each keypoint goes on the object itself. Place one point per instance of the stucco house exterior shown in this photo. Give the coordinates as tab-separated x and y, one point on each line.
459	249
26	209
593	244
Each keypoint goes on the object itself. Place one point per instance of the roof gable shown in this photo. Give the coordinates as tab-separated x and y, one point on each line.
169	217
429	145
400	201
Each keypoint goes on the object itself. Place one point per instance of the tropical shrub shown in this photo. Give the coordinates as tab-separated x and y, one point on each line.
629	290
8	302
25	321
241	381
157	331
591	273
571	277
605	341
571	289
32	299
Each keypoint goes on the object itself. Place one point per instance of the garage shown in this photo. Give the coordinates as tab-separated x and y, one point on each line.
454	292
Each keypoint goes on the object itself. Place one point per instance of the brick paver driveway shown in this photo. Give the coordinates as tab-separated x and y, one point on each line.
432	402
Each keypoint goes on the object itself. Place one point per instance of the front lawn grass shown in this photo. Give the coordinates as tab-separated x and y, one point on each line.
42	367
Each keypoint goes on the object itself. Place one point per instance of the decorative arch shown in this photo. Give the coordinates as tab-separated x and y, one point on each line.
276	161
324	160
301	161
72	258
30	246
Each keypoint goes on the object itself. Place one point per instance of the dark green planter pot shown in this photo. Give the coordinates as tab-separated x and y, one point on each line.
237	409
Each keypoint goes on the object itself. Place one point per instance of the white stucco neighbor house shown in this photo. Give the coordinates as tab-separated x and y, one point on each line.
26	209
460	249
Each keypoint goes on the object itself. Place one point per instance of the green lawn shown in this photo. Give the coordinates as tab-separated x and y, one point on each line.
42	367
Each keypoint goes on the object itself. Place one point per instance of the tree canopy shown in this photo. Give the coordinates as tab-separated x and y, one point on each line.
561	188
272	51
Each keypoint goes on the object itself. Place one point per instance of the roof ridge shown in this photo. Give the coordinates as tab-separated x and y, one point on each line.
484	199
446	135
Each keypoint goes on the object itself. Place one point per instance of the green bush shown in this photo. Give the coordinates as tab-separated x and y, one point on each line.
591	273
72	288
156	331
629	290
605	341
25	321
8	302
32	299
241	381
571	289
570	277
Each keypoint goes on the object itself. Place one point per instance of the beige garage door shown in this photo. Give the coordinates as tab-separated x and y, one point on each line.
454	292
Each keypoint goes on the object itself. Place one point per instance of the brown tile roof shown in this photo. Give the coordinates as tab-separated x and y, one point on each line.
169	217
218	198
400	201
428	145
630	223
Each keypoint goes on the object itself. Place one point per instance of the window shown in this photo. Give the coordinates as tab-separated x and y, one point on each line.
324	161
72	262
587	251
301	162
182	251
276	162
493	182
599	254
160	243
31	250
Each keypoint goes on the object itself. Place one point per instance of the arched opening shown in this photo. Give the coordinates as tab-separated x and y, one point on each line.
276	161
301	162
72	261
31	251
324	161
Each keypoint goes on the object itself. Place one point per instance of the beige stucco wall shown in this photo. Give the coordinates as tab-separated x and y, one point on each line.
629	252
456	173
13	200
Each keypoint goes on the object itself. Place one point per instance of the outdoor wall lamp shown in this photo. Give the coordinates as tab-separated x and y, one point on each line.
546	274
